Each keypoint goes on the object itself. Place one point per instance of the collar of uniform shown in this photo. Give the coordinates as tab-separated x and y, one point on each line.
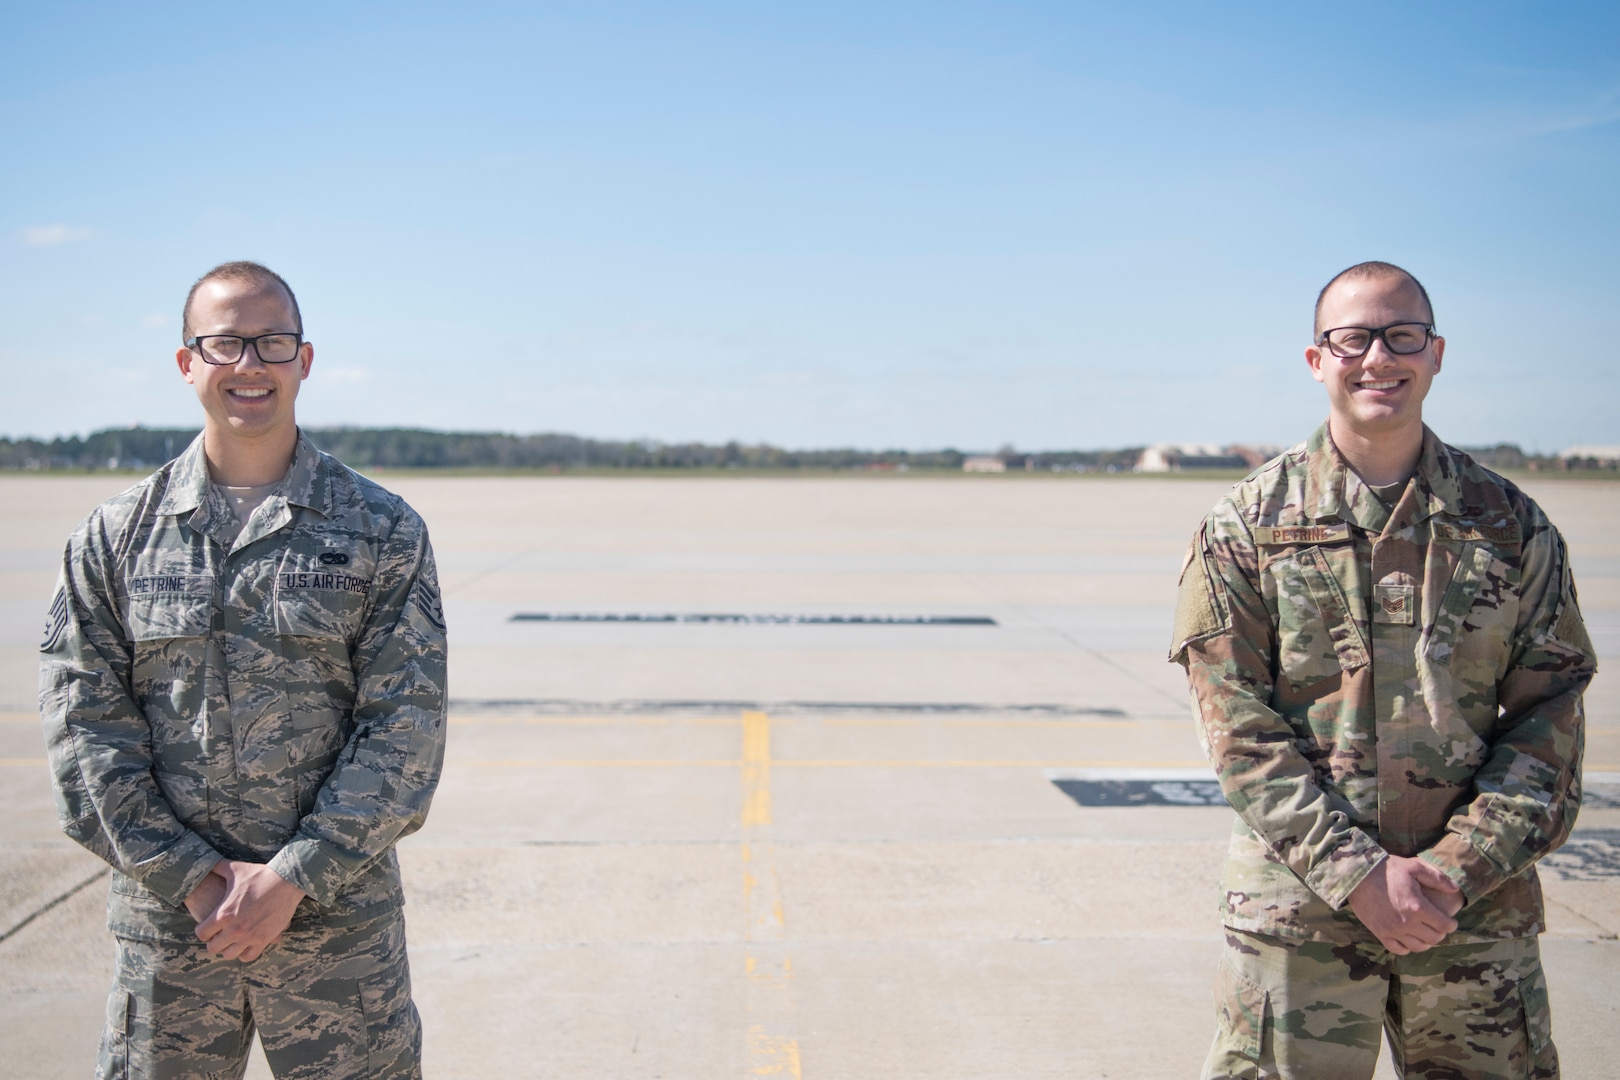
1328	493
1437	476
189	492
309	481
1331	493
188	481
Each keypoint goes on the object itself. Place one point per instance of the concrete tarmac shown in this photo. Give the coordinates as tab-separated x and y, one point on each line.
761	841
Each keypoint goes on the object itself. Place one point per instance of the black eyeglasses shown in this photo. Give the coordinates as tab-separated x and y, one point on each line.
225	349
1403	339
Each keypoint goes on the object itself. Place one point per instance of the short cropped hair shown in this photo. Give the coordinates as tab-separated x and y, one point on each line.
1373	269
239	271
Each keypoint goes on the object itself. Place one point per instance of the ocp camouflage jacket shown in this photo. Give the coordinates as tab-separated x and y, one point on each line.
1369	681
275	696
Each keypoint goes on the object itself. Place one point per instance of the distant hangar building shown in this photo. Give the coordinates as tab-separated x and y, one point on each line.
1590	457
1182	457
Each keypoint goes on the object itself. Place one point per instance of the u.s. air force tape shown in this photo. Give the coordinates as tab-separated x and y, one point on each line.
1272	535
1496	534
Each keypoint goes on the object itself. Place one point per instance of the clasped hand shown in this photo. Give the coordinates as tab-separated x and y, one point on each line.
1408	904
241	908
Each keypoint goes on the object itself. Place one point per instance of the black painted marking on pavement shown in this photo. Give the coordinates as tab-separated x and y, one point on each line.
705	618
1600	796
640	707
1589	855
1142	792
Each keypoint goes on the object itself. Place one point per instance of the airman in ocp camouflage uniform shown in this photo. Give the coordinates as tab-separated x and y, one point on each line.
244	707
1386	660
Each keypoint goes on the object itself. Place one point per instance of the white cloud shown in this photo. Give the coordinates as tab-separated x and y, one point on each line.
156	320
344	375
54	235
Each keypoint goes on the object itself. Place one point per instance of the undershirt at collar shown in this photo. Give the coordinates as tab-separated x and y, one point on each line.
1389	494
244	500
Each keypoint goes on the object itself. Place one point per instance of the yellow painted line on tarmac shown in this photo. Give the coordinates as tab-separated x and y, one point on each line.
756	766
773	1055
772	1048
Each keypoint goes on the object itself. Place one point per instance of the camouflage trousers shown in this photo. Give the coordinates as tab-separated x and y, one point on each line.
327	1003
1307	1010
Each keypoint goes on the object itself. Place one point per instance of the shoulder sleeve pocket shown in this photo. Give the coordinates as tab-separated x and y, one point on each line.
1569	627
1198	608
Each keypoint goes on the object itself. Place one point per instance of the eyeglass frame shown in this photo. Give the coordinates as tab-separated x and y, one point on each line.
1376	333
195	345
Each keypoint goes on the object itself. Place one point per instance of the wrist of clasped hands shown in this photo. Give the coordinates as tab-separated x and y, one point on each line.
241	909
1408	904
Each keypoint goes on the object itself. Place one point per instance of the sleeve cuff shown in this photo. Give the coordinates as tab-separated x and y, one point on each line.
1345	867
1468	868
176	873
305	864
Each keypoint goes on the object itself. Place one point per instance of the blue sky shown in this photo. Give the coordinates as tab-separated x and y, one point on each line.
918	225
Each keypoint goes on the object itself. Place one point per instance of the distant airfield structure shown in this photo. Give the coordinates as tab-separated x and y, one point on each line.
1192	456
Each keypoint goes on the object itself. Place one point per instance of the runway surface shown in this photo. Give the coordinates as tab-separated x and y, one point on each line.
831	778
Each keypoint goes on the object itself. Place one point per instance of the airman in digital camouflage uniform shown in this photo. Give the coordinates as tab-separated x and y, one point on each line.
242	683
1386	661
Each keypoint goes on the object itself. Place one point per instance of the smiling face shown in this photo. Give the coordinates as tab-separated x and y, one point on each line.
1377	396
250	402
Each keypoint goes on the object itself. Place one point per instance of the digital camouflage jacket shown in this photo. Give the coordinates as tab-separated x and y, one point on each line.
275	698
1369	681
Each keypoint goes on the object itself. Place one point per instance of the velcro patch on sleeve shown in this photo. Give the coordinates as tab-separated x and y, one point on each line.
1281	535
1571	628
1197	615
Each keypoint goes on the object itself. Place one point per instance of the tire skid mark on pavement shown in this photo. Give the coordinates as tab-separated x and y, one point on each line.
772	1046
54	902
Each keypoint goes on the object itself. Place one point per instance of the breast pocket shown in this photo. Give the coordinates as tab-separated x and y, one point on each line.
1478	610
1316	636
169	634
159	617
319	601
319	613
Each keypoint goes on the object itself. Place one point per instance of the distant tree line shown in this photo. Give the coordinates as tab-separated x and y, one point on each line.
409	448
